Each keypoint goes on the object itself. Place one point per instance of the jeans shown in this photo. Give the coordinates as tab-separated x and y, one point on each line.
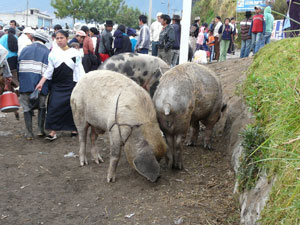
165	55
143	51
155	48
257	41
223	49
212	52
246	48
267	38
175	57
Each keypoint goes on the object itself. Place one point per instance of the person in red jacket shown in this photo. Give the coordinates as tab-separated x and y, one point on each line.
257	29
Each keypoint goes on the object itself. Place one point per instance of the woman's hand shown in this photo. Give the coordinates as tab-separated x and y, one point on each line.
39	86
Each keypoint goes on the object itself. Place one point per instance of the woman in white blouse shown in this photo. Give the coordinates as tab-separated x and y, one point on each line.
64	70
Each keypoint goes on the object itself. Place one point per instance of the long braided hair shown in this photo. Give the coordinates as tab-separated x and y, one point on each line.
12	40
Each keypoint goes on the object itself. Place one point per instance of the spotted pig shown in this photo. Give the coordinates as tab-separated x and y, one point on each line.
143	69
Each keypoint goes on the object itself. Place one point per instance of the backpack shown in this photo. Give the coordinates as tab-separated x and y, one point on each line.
223	28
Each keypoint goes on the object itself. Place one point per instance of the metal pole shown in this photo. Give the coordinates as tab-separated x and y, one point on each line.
185	30
27	14
150	13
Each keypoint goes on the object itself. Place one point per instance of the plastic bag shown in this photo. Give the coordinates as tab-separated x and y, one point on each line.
200	57
34	98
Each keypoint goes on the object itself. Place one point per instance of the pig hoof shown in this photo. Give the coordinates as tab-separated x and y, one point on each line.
190	143
111	179
83	161
178	166
98	159
208	146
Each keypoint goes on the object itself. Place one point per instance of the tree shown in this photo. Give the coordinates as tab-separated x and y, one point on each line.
71	8
128	16
101	10
97	11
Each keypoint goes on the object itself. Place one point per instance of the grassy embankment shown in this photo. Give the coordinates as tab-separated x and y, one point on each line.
272	91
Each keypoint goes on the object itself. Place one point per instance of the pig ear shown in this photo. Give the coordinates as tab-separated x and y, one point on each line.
146	165
167	109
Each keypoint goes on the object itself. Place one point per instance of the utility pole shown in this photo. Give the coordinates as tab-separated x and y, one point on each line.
185	30
27	14
168	7
150	13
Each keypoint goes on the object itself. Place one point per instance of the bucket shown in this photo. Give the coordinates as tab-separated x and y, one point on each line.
9	102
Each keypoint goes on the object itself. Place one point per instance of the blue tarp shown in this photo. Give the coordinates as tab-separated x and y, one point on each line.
248	5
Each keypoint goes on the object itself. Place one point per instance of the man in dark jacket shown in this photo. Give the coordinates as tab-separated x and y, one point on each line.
122	42
105	48
176	46
295	15
246	38
166	39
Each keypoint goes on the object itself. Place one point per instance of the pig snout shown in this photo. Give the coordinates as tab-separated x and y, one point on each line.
146	165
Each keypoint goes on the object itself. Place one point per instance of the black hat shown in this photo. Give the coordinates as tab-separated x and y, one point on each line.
108	23
248	14
176	17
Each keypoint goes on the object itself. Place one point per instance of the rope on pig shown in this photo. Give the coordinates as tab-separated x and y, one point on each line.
156	71
122	124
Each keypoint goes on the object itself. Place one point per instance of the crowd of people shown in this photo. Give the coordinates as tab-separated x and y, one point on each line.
218	38
32	67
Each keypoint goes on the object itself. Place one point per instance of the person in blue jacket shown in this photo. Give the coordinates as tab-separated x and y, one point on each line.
33	62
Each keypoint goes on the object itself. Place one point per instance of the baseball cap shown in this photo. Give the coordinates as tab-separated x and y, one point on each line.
257	7
81	33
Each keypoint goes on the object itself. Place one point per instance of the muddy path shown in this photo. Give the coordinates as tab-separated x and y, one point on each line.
38	185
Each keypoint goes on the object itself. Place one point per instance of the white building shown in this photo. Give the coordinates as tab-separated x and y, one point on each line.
33	18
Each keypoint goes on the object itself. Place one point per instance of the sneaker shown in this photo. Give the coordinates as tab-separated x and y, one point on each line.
50	137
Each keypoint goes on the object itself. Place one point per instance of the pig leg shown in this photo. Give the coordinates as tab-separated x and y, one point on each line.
170	152
82	133
209	125
115	151
95	151
178	162
195	132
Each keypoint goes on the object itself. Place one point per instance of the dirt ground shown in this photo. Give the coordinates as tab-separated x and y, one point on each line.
41	186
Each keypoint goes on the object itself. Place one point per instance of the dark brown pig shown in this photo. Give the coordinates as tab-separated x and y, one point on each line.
108	101
187	94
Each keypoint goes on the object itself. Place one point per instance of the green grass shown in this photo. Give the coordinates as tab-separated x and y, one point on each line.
272	91
249	170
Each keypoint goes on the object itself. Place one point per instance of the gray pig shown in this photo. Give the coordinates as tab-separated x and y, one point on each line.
108	101
187	93
143	69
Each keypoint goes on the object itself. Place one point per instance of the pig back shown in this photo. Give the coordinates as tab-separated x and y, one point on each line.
141	68
95	97
189	89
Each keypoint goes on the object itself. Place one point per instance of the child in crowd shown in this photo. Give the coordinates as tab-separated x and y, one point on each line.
211	44
75	45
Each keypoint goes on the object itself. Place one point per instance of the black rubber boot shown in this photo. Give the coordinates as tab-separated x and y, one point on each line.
41	122
28	125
